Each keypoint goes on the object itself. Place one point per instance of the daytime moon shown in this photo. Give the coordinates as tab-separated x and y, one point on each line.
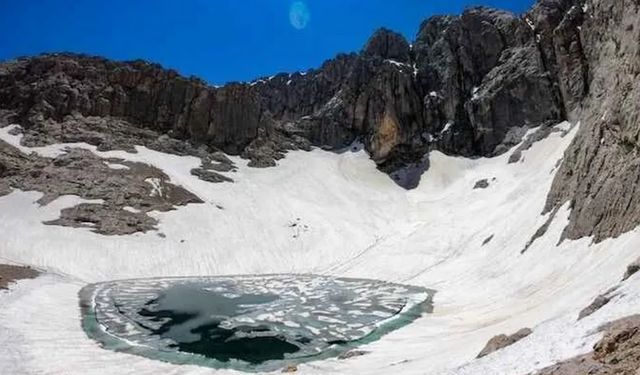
299	15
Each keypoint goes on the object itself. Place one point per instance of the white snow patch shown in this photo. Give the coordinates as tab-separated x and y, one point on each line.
257	81
334	102
116	166
563	126
399	64
156	187
530	23
474	93
45	151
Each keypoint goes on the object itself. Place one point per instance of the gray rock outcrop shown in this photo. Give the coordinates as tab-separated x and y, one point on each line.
632	269
10	274
596	305
502	341
481	184
126	194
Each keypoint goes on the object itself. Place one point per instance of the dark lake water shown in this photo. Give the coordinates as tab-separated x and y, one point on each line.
191	317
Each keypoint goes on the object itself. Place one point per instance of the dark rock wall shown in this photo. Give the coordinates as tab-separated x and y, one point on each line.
461	87
55	86
601	168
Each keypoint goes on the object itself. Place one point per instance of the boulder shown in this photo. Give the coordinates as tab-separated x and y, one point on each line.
502	341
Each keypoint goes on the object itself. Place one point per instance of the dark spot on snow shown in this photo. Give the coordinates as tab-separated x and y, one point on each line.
482	184
541	231
632	269
597	303
487	240
352	353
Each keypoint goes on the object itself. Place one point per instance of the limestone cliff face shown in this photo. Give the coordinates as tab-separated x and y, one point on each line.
464	84
601	169
56	86
460	88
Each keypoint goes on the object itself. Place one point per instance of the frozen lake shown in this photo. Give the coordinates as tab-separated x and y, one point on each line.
254	323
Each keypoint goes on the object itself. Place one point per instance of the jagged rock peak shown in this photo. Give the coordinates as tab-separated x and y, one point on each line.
387	44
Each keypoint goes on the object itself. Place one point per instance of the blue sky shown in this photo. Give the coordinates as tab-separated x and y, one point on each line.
218	40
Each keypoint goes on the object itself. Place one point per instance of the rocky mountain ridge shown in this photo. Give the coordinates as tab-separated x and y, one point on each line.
469	85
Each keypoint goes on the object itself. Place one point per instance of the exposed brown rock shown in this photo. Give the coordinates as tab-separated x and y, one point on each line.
104	219
617	353
596	305
290	368
10	274
502	341
352	353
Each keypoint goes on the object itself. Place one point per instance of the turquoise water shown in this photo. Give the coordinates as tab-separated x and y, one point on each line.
258	323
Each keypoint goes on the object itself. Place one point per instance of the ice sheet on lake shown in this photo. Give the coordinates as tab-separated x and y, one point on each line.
213	320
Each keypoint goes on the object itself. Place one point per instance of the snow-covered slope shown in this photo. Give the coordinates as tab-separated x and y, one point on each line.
351	221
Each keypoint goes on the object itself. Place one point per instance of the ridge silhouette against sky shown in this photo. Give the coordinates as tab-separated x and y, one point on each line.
218	40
